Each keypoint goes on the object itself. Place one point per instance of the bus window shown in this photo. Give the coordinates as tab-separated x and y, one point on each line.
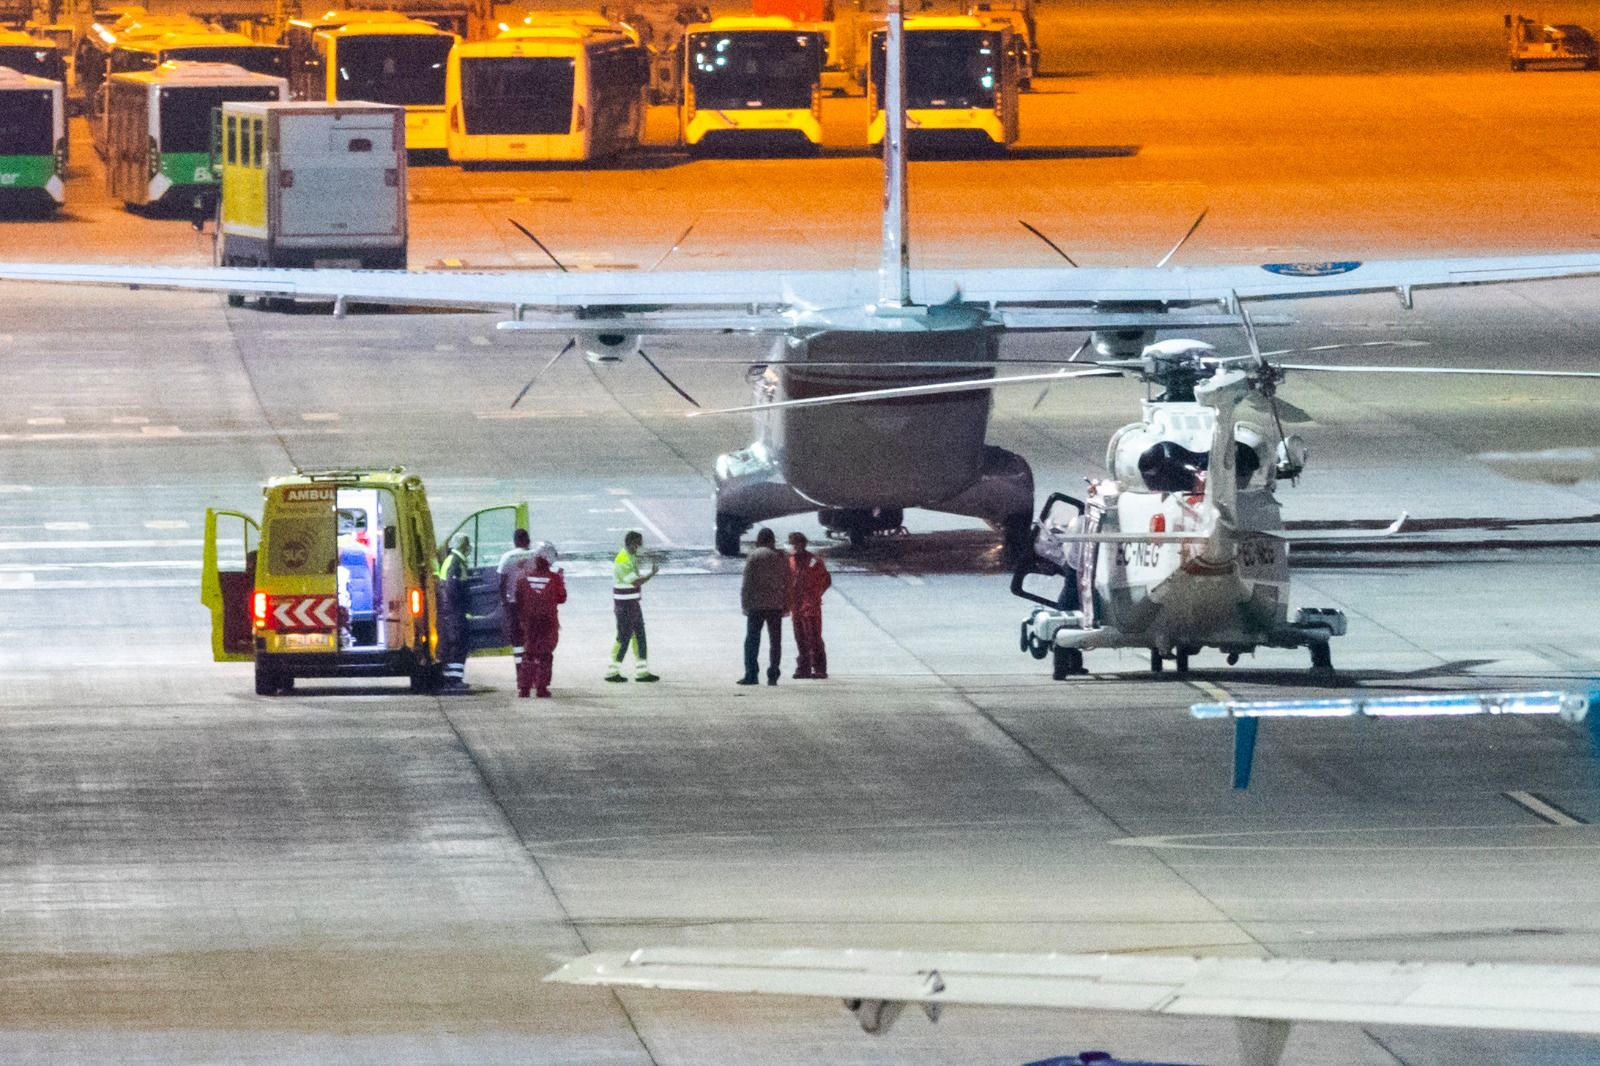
40	62
258	59
257	134
517	94
753	70
230	152
186	113
27	123
393	69
946	69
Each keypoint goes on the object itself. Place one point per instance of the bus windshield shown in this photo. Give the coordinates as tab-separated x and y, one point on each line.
41	62
27	122
256	58
517	94
763	69
946	68
186	112
399	69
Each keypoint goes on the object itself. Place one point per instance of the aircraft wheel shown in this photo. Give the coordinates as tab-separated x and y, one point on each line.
1068	661
1156	665
1181	661
1036	647
1016	533
1321	661
1233	658
729	530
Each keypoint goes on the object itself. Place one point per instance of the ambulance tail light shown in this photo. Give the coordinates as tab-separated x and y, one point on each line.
415	599
260	604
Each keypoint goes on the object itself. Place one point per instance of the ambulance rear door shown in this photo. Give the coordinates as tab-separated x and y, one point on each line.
227	582
490	531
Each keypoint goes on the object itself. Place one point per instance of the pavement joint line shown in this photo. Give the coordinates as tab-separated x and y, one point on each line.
1543	809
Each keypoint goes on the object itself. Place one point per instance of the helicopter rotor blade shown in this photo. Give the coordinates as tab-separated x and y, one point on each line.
1185	240
1453	370
528	233
1053	245
901	392
681	238
653	365
572	342
1345	346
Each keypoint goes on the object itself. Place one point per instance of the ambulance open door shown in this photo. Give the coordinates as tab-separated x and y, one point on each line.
228	580
490	531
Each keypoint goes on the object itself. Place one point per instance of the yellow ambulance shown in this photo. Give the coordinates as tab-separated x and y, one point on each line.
338	579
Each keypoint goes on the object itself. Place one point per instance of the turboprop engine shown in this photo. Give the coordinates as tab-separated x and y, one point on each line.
608	347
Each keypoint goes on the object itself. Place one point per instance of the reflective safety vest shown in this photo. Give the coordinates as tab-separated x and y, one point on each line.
625	577
445	567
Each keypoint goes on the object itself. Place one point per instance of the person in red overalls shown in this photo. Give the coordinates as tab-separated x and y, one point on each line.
809	580
538	597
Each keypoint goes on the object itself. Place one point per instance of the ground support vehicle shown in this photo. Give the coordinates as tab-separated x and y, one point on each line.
550	90
752	80
1533	43
962	81
376	57
338	579
158	129
33	140
1024	33
308	184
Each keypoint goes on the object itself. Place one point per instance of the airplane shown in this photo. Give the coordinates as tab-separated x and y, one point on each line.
1264	996
843	330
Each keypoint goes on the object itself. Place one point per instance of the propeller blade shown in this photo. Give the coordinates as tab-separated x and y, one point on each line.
1183	240
1249	331
565	348
651	363
1073	358
934	389
528	233
1345	346
1056	247
1457	370
681	238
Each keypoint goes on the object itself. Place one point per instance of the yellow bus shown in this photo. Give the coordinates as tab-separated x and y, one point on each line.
148	53
379	57
752	81
548	90
27	54
158	128
93	52
962	82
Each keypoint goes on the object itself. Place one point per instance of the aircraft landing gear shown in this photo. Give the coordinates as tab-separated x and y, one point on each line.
729	529
1321	661
1065	663
1016	533
858	525
1181	659
1156	665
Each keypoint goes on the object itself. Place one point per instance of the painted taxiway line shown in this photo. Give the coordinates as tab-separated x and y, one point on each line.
644	520
1543	809
99	545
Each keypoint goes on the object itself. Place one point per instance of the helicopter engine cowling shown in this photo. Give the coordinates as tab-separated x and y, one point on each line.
608	347
1121	343
1156	458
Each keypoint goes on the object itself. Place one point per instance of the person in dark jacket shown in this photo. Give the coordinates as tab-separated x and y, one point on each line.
764	595
539	594
453	614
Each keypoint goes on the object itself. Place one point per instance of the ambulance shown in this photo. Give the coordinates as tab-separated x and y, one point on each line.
338	579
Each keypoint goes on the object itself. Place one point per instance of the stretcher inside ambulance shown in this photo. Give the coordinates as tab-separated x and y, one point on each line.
338	579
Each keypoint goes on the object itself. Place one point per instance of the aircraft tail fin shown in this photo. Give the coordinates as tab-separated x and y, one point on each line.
1222	394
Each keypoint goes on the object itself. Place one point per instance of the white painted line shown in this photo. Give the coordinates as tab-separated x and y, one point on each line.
129	420
14	489
644	520
1543	809
481	342
8	583
616	492
444	347
95	545
103	564
507	414
161	431
607	510
320	416
47	420
66	527
166	523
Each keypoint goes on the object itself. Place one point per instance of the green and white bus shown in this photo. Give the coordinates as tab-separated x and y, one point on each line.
33	140
158	127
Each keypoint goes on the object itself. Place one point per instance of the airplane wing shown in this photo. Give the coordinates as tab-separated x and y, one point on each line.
1536	998
1053	298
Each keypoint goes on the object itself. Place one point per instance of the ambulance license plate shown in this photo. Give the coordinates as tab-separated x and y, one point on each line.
307	641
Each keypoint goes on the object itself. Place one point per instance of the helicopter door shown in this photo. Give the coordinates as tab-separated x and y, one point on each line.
490	531
227	580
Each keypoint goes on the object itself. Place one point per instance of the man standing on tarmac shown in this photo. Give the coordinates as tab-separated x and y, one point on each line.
809	580
514	564
539	594
453	614
626	584
764	595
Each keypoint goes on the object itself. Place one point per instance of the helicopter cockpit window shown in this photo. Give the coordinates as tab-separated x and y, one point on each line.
1170	467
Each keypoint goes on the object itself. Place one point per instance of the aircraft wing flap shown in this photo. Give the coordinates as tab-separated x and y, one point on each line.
1460	995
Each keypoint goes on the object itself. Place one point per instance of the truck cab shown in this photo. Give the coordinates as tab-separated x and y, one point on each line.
338	579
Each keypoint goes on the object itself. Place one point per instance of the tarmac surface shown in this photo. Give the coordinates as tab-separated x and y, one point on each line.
193	874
